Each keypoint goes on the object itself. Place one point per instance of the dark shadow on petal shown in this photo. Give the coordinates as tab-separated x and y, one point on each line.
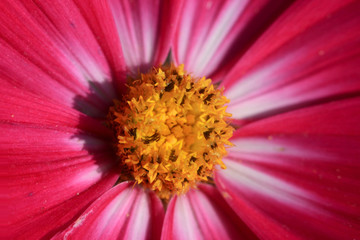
253	30
93	132
97	142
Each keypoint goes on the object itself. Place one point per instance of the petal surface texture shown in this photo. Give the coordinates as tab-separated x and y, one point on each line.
213	34
301	60
51	51
296	175
124	212
100	19
55	158
203	214
53	162
145	30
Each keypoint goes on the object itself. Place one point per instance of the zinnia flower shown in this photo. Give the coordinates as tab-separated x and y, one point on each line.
83	156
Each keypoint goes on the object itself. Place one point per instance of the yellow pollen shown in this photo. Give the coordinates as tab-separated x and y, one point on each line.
171	130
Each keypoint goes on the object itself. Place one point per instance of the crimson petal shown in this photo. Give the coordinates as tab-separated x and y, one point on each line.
301	60
124	212
145	30
296	175
51	51
54	164
202	214
212	35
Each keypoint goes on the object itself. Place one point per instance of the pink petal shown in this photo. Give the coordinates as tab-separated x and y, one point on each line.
19	107
51	168
124	212
301	60
99	17
297	174
212	35
203	214
48	185
145	29
50	50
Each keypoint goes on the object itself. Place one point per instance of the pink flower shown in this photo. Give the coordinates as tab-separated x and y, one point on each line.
290	69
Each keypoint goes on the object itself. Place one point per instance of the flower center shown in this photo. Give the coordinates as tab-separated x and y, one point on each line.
171	130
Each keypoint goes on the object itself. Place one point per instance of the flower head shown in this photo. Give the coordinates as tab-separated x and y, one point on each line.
170	130
111	127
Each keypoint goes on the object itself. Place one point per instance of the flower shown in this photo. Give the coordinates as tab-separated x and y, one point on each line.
290	70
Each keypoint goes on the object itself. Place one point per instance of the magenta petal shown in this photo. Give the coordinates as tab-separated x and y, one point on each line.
203	214
297	174
49	179
145	29
99	17
301	60
212	35
51	51
50	168
124	212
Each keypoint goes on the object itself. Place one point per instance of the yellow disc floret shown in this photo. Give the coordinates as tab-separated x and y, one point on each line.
171	130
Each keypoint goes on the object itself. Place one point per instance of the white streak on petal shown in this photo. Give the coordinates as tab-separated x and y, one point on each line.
184	218
270	186
111	217
268	74
140	218
216	37
274	146
205	212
